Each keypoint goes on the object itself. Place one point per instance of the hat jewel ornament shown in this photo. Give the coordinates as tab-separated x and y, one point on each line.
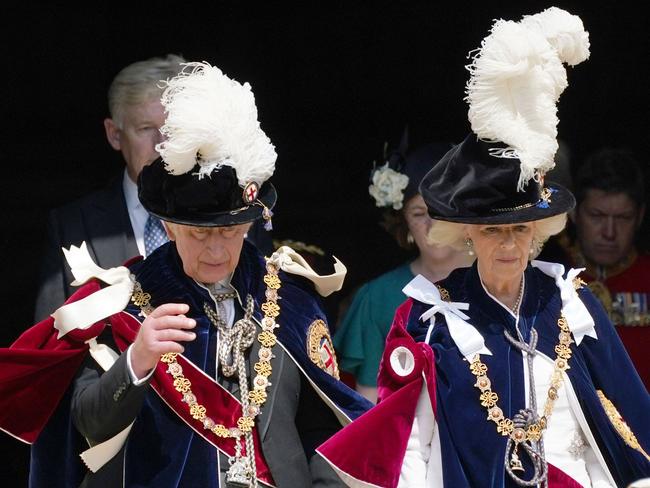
517	77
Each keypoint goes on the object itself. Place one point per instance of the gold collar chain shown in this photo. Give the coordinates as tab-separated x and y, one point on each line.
258	395
242	471
489	398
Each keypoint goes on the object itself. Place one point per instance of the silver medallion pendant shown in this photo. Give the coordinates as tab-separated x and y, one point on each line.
238	475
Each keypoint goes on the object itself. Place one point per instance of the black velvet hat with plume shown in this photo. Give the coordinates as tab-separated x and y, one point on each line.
496	175
215	160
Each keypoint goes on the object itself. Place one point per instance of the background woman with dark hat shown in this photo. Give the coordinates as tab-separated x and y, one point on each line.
225	374
360	338
507	373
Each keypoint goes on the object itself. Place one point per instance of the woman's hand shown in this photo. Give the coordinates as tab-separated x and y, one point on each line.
160	333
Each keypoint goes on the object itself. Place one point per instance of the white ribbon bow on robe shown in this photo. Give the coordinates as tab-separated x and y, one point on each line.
101	304
291	262
468	340
578	318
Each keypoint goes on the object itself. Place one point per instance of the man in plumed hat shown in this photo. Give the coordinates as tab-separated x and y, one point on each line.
217	368
111	220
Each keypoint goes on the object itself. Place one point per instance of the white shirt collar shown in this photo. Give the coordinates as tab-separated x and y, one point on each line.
130	192
137	213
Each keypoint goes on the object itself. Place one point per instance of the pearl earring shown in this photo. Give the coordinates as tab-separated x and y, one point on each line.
470	246
409	238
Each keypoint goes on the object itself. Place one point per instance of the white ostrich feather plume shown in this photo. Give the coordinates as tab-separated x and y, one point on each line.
212	120
516	79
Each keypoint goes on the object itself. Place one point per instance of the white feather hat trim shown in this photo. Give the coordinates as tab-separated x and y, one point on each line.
516	79
212	120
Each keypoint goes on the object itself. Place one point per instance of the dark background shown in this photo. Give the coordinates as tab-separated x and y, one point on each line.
333	81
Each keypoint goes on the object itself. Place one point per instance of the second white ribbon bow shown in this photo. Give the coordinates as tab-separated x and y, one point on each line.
578	318
468	340
291	262
101	304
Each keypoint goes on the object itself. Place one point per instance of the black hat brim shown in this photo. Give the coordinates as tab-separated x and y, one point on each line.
561	201
473	184
268	196
212	201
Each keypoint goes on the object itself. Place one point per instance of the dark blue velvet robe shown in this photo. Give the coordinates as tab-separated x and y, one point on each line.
173	454
472	450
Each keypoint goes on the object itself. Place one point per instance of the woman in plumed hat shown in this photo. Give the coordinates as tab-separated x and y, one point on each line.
508	373
360	339
217	369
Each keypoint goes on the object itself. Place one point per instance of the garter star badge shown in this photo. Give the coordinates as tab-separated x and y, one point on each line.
250	192
320	348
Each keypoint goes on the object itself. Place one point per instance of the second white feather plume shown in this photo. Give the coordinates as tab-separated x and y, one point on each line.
516	79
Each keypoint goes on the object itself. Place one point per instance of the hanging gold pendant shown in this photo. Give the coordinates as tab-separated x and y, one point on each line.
515	462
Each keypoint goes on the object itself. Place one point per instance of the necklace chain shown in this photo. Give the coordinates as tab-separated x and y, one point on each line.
520	295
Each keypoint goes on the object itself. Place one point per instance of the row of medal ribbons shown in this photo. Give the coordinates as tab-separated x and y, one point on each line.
630	309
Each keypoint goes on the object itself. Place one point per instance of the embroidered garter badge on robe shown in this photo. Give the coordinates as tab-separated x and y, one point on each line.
321	349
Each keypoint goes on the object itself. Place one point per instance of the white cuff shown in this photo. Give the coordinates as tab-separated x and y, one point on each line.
134	378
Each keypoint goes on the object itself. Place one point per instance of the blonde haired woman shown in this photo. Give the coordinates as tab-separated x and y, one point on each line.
509	373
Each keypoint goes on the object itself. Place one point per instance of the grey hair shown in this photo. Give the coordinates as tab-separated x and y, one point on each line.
140	82
453	234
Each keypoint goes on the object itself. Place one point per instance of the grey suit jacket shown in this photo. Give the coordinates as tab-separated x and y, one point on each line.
102	220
